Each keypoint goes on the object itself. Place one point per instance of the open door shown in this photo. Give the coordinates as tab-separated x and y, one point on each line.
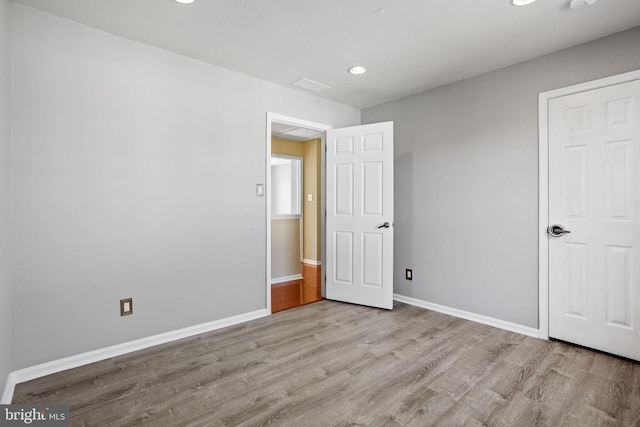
359	224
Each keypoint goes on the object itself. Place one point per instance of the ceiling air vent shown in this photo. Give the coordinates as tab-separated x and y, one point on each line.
310	85
578	4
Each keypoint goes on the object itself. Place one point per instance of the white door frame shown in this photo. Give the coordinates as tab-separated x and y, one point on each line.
543	188
273	117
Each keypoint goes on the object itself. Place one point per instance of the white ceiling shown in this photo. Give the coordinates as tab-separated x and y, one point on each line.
408	46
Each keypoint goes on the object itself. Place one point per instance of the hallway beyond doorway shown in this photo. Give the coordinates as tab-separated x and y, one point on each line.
295	293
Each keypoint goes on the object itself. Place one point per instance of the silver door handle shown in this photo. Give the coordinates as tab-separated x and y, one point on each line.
557	230
385	225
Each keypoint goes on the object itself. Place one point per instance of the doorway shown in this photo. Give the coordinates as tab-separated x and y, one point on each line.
295	241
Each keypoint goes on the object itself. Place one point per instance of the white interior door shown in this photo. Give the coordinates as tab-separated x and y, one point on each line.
594	192
359	225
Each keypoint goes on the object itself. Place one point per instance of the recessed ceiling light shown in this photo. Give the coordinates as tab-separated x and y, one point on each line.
184	1
521	2
357	69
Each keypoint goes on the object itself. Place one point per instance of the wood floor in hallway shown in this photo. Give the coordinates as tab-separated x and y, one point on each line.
333	364
295	293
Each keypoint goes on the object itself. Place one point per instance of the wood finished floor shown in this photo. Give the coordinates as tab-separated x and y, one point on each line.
329	363
295	293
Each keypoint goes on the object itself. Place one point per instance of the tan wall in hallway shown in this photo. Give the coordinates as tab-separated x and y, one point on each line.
310	152
312	229
287	148
285	247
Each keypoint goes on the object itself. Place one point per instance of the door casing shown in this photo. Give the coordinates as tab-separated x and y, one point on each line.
543	187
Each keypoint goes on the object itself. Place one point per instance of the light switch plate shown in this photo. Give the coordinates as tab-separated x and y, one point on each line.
259	190
126	306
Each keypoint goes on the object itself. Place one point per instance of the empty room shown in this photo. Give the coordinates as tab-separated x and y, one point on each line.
320	213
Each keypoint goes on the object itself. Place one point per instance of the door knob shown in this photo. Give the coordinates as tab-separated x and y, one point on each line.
385	225
557	230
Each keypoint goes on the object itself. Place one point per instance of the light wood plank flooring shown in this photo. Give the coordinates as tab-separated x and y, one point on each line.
329	364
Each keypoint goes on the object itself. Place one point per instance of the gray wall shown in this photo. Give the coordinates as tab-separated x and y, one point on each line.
134	176
466	183
5	195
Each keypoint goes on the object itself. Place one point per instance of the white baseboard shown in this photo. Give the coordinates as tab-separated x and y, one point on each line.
513	327
59	365
312	261
82	359
283	279
9	387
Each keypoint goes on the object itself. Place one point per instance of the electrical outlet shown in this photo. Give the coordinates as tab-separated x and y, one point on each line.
408	274
126	306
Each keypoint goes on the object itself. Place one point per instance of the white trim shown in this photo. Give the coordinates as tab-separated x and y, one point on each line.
82	359
283	279
543	216
543	183
288	216
312	261
267	197
9	388
273	117
497	323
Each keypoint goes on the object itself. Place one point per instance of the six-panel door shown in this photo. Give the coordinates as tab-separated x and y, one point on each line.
594	192
360	215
